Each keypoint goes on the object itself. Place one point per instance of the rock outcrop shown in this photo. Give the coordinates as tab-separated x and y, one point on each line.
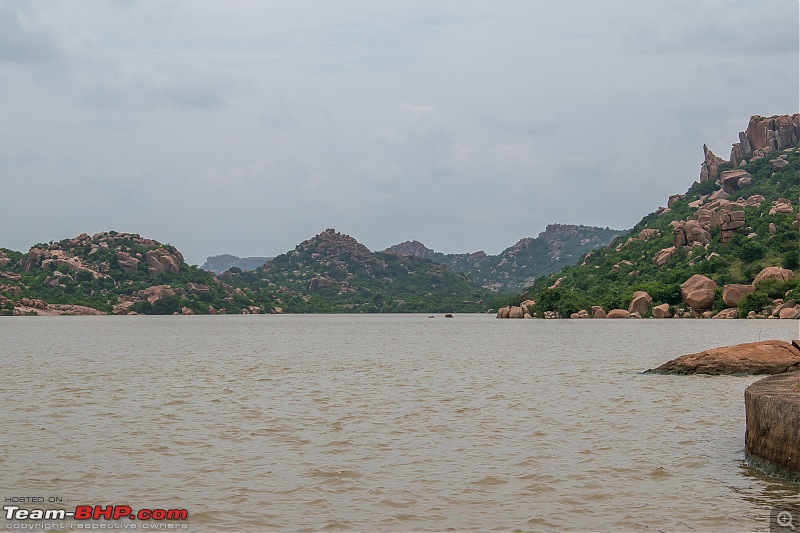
772	411
766	135
161	260
765	357
709	170
618	313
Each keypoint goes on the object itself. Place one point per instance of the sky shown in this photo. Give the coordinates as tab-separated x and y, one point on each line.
248	126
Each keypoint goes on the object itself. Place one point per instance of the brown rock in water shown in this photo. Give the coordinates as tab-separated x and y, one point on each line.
186	311
618	313
732	294
661	311
765	357
772	411
698	292
503	312
778	273
516	312
598	312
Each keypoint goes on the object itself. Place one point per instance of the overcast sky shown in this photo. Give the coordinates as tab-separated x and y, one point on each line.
245	127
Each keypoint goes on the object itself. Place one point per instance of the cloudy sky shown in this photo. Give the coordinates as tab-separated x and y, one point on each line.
245	127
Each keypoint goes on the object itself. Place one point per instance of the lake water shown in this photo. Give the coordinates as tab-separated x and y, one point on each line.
384	423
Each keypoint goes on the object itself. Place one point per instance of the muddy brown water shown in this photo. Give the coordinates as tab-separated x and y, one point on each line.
383	423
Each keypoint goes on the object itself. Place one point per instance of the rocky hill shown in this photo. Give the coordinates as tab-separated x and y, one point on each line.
110	272
725	248
333	272
518	266
218	264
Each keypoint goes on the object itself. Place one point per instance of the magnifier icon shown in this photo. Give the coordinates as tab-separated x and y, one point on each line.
784	519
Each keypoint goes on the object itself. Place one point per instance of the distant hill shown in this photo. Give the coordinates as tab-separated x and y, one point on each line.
518	266
333	272
734	233
111	272
220	263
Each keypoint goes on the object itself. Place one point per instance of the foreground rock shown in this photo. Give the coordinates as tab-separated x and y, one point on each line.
765	357
772	440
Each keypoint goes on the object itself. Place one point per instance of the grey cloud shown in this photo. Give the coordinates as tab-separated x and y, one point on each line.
22	39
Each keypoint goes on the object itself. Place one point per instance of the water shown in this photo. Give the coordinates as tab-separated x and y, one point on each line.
383	423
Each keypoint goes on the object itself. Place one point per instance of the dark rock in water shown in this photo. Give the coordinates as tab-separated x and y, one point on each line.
765	357
449	315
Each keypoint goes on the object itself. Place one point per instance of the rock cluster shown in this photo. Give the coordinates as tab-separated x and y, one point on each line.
766	135
161	260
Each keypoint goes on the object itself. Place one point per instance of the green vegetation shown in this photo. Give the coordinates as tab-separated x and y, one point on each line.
517	266
100	282
609	276
333	273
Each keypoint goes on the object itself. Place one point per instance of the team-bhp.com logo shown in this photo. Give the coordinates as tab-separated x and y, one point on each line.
98	512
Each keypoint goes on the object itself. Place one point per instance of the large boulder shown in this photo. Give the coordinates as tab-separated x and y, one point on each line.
663	256
765	357
161	260
661	311
698	292
777	273
772	408
516	312
640	303
732	294
733	180
618	313
127	263
648	233
503	312
598	312
156	292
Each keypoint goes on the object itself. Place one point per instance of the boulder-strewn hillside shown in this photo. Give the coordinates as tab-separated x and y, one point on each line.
122	273
333	272
518	266
218	264
726	248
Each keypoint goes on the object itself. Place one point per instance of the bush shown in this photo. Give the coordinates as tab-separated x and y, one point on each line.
755	301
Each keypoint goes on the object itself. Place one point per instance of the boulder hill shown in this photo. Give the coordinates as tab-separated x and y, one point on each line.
726	248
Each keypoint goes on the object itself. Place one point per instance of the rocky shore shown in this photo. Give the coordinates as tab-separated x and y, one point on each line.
698	295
